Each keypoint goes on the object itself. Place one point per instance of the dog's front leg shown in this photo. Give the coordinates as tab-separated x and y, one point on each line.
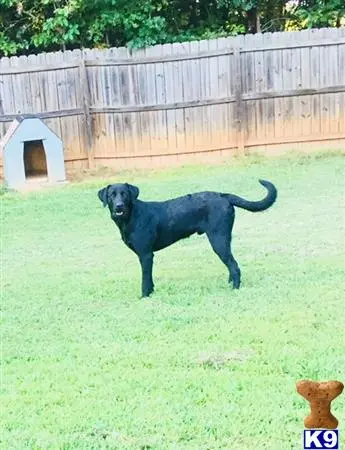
147	285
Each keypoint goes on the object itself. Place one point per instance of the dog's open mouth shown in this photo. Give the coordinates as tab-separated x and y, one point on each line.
119	213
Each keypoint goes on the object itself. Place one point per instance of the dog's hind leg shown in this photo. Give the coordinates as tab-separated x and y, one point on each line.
220	241
235	272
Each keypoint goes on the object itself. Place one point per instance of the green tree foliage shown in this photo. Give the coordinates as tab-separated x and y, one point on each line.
320	13
46	25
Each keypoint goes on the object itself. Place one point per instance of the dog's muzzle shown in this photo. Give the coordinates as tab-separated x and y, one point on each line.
119	209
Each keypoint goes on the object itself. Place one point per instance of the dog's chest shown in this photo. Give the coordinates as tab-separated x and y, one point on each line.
126	237
135	241
130	245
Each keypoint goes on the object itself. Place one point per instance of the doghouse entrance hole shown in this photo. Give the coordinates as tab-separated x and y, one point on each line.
35	162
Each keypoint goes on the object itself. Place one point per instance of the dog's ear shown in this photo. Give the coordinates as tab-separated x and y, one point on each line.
103	195
133	190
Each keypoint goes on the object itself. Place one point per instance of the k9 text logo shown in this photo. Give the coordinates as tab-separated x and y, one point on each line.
320	439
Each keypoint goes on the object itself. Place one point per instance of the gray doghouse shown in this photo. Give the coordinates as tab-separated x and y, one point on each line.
31	150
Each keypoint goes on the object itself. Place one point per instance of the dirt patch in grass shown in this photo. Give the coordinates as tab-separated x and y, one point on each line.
220	359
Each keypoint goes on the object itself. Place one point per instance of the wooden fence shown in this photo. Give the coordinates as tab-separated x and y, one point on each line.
123	108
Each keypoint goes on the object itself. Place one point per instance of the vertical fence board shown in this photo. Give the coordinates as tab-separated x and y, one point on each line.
341	78
306	101
159	84
116	95
139	83
6	95
215	111
297	76
333	79
248	87
268	86
224	91
278	76
126	95
205	93
170	98
50	98
72	79
196	114
187	96
150	100
259	87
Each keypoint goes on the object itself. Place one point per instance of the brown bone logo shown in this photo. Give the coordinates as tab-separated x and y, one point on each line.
320	396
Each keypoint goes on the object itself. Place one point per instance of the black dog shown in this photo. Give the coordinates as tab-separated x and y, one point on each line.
147	227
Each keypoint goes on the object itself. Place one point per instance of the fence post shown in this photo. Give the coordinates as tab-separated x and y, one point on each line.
239	102
85	100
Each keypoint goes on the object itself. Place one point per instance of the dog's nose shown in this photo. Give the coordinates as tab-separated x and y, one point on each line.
119	206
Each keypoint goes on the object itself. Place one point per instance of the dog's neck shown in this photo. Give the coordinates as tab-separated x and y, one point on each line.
122	222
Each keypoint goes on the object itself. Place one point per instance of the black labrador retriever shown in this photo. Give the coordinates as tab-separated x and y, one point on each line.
147	227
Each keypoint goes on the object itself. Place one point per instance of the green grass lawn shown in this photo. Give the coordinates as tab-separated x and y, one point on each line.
87	364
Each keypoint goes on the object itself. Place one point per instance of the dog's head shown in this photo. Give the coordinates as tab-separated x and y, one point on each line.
119	198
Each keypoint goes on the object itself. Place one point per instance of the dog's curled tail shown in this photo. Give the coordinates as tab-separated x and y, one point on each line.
260	205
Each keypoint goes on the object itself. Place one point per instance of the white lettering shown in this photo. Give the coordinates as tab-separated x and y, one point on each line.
311	437
330	438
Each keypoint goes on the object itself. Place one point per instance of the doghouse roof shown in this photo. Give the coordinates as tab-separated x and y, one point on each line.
9	133
16	125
